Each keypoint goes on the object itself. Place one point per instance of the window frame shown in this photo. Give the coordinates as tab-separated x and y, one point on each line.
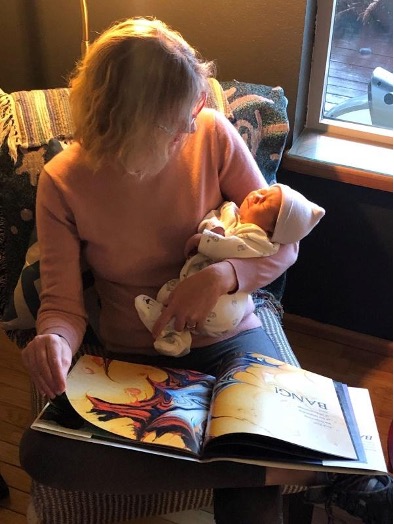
325	12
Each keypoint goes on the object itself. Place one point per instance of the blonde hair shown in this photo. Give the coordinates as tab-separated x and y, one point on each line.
137	74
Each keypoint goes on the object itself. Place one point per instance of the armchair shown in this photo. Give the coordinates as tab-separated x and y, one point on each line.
29	121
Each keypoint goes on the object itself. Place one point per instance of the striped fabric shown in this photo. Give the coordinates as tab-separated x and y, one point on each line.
55	506
270	313
42	114
31	118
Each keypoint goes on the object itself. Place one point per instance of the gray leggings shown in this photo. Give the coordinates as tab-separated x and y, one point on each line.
76	465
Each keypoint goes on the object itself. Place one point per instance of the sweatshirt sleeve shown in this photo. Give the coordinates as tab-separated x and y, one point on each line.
62	308
253	273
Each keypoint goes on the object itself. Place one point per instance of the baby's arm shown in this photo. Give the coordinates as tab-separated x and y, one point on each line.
249	242
211	221
191	246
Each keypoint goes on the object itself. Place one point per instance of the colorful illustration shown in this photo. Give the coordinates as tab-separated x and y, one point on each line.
147	404
258	410
260	395
255	400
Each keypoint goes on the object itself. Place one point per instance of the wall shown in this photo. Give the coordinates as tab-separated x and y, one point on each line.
344	273
254	40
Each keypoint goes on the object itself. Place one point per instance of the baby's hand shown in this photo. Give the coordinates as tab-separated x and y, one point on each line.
218	230
192	244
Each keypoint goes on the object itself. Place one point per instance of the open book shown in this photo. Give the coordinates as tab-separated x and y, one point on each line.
257	410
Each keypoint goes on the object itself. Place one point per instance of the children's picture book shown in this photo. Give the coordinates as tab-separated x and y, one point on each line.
257	410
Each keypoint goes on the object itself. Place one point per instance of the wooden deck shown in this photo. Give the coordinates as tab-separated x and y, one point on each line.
351	64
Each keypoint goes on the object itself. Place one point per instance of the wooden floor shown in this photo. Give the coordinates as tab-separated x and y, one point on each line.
352	60
355	362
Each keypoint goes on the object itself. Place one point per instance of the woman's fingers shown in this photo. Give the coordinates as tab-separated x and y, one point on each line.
168	314
48	359
59	360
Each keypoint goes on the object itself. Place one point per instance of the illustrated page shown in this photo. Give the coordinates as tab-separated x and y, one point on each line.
166	407
263	396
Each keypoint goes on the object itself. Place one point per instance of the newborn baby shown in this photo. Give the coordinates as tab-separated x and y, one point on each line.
266	218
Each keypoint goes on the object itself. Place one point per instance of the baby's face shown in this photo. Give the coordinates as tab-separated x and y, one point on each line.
261	207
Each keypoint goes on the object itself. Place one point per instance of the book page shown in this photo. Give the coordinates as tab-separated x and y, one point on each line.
149	405
374	457
260	395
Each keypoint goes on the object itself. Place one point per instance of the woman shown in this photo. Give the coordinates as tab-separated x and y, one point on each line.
147	164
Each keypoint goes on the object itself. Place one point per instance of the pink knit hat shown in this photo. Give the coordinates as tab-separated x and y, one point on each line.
297	216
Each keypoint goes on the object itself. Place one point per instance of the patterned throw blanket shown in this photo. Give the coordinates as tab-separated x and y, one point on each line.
40	116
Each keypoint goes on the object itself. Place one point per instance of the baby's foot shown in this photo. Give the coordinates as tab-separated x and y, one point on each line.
167	289
174	343
148	310
170	342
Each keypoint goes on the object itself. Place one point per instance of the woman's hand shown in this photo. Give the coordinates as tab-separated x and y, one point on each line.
48	358
194	297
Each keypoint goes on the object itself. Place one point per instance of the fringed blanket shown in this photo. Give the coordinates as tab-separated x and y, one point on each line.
31	118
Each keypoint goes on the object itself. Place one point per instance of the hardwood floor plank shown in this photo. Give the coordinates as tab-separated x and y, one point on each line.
15	477
334	90
333	81
11	349
16	415
9	454
354	72
354	57
17	502
10	517
21	398
14	378
383	44
10	433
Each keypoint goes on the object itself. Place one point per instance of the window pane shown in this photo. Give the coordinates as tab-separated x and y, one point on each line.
359	80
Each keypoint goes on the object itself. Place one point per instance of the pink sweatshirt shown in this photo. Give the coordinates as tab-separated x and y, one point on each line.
132	232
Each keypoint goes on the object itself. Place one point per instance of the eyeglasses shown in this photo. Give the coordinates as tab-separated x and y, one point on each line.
191	126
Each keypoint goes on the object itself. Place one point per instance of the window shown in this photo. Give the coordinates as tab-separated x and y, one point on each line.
344	120
351	83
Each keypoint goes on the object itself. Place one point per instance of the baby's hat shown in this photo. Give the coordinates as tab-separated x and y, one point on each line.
297	216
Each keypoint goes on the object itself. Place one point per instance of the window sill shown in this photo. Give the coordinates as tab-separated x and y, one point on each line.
349	161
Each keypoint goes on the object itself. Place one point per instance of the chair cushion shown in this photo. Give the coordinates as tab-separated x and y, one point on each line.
260	114
18	185
21	310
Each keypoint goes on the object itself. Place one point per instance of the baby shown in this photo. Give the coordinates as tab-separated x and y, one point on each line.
266	218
